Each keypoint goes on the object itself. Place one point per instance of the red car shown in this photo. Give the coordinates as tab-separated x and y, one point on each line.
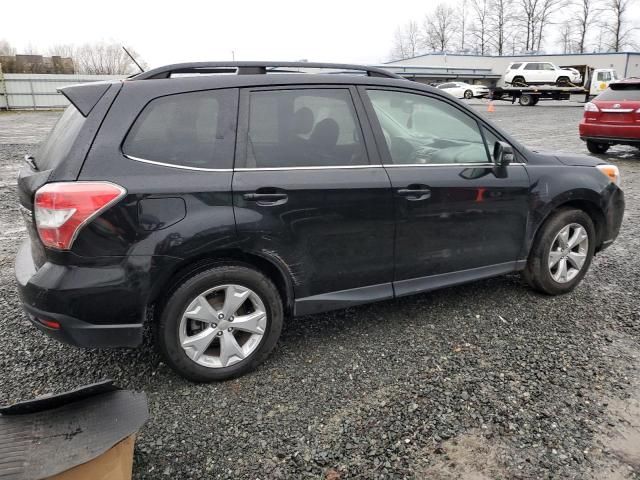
613	117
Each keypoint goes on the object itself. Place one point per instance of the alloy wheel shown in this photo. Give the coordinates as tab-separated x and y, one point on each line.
222	326
568	252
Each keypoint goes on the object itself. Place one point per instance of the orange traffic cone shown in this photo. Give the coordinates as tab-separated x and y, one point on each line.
491	108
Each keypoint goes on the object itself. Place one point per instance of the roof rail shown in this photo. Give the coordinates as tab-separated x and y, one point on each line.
254	68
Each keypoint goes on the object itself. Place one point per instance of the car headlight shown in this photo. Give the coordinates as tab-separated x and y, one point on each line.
611	172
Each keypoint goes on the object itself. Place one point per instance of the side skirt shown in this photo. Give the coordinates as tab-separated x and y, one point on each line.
373	293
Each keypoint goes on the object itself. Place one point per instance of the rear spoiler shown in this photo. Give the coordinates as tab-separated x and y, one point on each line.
85	96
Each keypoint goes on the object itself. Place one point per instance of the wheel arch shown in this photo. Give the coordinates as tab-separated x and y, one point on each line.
590	207
186	268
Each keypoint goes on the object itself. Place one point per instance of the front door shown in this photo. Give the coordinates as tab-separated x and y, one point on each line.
458	216
310	196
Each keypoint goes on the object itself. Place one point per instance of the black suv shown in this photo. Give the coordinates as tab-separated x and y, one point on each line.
217	198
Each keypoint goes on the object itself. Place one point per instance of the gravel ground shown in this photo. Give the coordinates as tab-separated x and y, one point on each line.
487	380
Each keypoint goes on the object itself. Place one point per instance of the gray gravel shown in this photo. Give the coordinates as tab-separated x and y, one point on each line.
488	380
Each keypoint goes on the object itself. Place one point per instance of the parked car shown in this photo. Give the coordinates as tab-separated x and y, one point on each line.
530	73
214	206
613	117
464	90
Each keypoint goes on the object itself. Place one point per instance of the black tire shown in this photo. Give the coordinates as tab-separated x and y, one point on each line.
526	100
597	147
563	81
518	81
184	294
468	94
537	273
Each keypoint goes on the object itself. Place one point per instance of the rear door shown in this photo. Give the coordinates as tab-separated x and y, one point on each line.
455	210
310	193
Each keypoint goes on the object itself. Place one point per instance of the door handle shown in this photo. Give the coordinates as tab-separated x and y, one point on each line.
266	198
415	192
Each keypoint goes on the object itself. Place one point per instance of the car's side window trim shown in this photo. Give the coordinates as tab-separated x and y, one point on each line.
383	148
362	122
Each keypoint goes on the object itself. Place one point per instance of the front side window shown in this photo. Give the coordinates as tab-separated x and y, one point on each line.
195	129
604	76
548	66
303	128
424	130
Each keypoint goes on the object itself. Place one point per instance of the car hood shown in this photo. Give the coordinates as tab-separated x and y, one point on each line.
575	160
572	159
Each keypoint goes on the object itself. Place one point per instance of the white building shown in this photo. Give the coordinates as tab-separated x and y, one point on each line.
441	67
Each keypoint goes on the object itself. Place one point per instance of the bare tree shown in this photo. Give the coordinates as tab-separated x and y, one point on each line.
440	27
462	19
619	28
501	17
481	31
103	59
6	48
547	9
530	13
406	41
585	15
567	39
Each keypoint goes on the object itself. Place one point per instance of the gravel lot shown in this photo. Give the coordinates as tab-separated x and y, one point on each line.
488	380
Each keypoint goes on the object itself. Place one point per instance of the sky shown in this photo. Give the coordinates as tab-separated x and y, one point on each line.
189	30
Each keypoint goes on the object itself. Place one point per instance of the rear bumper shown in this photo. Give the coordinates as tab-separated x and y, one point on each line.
612	134
94	306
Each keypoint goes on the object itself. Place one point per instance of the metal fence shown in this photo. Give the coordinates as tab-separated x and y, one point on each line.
33	91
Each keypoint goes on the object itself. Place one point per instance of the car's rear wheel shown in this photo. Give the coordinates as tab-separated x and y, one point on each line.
220	323
597	147
561	253
468	94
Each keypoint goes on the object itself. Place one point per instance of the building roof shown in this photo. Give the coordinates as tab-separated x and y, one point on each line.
444	54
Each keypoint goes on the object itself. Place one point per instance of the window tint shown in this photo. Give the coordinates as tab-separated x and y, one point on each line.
425	130
303	128
515	66
59	142
531	66
631	93
189	129
547	66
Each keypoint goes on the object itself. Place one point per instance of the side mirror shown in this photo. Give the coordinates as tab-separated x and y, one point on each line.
502	154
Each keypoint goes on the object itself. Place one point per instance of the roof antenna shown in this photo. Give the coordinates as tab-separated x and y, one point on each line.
133	59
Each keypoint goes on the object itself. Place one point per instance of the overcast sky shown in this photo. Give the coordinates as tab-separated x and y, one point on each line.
188	30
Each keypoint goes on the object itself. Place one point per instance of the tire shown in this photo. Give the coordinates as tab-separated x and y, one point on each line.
526	100
209	285
563	81
539	273
518	81
468	94
597	147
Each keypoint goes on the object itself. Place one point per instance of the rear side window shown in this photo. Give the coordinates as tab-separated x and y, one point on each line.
628	93
58	145
195	129
515	66
303	128
531	66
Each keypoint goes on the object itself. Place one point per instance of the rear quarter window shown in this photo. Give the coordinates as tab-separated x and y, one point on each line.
195	129
626	94
58	144
515	66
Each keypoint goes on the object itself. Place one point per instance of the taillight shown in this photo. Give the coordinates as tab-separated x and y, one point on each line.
62	209
591	107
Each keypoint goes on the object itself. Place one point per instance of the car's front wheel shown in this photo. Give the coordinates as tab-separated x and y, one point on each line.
220	323
561	253
597	147
468	94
